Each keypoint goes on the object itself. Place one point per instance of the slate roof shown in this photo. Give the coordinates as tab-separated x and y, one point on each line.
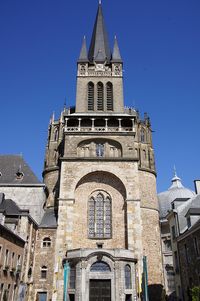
99	50
83	54
116	56
10	207
49	219
10	166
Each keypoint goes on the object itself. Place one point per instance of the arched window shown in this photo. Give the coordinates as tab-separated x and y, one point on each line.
100	96
43	272
99	216
109	91
90	96
127	271
100	266
142	135
46	243
55	134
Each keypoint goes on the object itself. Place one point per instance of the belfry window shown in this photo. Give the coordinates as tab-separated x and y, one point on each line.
128	277
100	96
90	96
109	90
99	216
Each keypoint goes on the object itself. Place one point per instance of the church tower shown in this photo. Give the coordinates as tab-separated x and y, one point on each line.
101	185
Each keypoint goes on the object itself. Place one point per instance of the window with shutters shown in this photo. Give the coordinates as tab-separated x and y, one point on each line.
100	96
109	90
99	215
90	96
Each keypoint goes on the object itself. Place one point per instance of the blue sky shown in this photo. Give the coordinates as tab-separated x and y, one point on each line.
160	45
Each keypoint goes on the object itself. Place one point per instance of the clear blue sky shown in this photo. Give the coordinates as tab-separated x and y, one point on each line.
160	44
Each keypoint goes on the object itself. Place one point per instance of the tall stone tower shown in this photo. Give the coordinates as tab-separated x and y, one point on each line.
101	184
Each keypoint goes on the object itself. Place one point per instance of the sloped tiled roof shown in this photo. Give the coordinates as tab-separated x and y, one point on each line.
10	207
10	166
49	219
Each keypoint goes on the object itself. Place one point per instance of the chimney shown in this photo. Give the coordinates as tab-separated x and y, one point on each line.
197	186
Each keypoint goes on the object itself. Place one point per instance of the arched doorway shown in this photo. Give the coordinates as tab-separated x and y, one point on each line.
100	286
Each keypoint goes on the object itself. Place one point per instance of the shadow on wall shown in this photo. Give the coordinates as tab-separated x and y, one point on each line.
156	292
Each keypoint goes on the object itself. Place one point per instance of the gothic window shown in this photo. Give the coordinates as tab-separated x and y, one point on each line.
100	266
46	243
90	96
100	150
142	135
109	90
43	272
99	216
128	277
100	96
55	137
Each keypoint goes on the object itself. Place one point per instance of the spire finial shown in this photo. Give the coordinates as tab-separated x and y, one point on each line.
99	2
175	174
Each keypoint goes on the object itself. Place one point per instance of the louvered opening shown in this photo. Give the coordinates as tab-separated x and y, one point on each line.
100	97
109	88
90	96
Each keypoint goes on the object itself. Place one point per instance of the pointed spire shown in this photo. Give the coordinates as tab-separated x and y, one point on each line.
83	54
116	56
99	47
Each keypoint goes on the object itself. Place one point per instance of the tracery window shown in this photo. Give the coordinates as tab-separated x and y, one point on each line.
100	266
99	216
128	277
90	96
100	96
109	90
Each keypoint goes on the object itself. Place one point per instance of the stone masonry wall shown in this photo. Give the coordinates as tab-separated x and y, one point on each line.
81	92
44	256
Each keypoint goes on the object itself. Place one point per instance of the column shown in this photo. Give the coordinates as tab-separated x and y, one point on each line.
120	124
92	124
66	120
133	124
106	124
79	124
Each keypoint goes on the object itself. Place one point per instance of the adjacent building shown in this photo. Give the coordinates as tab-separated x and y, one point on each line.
17	249
179	192
184	228
19	183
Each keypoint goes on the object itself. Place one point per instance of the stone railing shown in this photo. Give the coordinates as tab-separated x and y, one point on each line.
99	129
